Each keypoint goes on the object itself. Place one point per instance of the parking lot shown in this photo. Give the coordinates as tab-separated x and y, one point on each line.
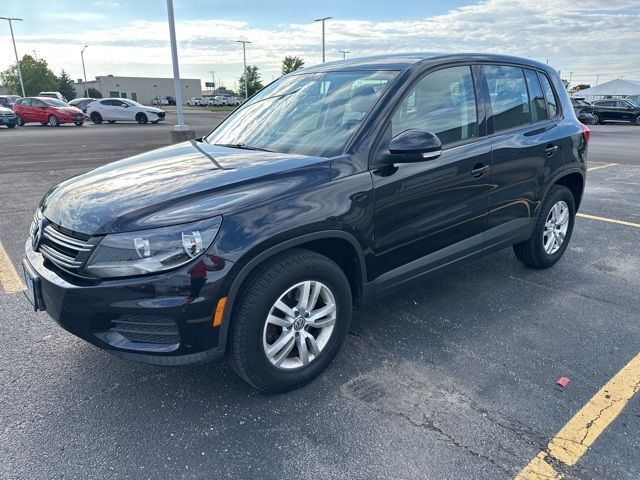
452	378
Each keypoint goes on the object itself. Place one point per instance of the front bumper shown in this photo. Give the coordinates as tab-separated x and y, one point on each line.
72	117
9	120
164	319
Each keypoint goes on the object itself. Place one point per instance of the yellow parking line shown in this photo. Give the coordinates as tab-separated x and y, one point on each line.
602	166
610	220
579	433
9	278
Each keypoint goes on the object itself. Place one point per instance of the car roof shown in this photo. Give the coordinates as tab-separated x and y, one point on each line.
403	61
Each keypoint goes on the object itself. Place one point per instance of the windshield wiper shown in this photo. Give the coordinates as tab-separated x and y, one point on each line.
243	146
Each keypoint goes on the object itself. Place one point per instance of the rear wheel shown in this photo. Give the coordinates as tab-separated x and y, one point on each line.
637	120
597	119
53	121
290	321
552	232
141	118
96	118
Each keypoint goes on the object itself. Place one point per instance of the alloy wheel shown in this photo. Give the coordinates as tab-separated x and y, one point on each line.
555	227
299	325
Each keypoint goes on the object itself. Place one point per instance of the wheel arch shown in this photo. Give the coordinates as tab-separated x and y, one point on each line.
574	181
339	246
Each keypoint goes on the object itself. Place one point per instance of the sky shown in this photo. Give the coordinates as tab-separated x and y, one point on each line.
587	40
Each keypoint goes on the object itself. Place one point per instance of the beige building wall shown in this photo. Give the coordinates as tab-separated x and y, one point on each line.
141	89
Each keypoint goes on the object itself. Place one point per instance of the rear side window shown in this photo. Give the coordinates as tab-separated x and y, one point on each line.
537	103
443	103
552	103
509	97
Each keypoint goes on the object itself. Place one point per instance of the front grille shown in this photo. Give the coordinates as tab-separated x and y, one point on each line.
161	114
62	250
147	329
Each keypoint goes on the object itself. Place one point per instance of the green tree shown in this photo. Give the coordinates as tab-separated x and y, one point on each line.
253	81
94	93
291	64
65	86
35	74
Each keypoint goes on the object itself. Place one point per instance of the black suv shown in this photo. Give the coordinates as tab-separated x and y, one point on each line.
616	110
330	187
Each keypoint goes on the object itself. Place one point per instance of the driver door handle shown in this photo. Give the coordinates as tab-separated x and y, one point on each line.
479	169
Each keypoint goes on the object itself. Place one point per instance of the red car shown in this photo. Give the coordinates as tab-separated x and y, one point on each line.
47	111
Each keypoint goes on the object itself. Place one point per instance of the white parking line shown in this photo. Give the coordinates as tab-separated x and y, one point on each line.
11	281
602	166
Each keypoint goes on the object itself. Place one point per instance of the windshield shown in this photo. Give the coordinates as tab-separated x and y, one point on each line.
308	114
133	103
54	102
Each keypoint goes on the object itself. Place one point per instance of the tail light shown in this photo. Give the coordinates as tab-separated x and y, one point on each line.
586	133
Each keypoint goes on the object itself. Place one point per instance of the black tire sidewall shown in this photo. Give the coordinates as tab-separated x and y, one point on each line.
556	194
141	118
96	118
273	378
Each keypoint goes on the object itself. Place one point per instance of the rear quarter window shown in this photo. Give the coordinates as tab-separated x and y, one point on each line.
549	95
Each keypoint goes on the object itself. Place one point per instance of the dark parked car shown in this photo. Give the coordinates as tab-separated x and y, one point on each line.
82	103
616	110
584	111
170	100
332	186
8	100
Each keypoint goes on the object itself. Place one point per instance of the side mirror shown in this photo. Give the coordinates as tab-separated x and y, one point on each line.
416	145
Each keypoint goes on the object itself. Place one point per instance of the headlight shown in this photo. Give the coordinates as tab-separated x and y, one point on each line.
151	251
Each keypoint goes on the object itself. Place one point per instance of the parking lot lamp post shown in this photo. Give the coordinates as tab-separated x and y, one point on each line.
84	72
244	58
10	19
181	131
322	20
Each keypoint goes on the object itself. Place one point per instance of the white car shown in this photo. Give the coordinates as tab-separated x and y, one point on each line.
115	110
196	101
233	101
57	95
159	101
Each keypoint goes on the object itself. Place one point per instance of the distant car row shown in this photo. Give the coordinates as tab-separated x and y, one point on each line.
601	111
217	101
55	112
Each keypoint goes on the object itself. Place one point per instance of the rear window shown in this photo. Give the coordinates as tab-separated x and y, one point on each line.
509	97
549	95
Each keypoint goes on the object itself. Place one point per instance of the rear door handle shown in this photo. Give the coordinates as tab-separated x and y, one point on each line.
479	169
551	149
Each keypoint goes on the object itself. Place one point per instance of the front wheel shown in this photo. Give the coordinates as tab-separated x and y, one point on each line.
20	121
291	321
11	125
96	118
53	121
141	118
552	231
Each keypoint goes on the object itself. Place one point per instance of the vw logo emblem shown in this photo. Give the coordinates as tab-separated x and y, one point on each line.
36	236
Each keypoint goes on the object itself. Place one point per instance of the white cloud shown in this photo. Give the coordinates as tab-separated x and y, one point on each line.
587	37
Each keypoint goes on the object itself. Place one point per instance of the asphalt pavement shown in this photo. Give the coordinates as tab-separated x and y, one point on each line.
452	378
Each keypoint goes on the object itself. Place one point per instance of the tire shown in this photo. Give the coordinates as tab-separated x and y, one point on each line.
53	121
597	119
141	118
252	334
20	121
11	125
96	118
532	252
637	120
79	124
111	121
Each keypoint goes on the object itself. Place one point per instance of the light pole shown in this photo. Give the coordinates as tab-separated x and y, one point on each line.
344	53
10	19
213	80
84	85
244	57
322	20
181	131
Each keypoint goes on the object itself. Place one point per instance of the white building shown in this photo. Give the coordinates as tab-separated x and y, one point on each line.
140	89
617	88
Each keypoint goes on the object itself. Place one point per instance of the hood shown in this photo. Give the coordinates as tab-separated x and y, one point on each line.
153	109
177	184
70	109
